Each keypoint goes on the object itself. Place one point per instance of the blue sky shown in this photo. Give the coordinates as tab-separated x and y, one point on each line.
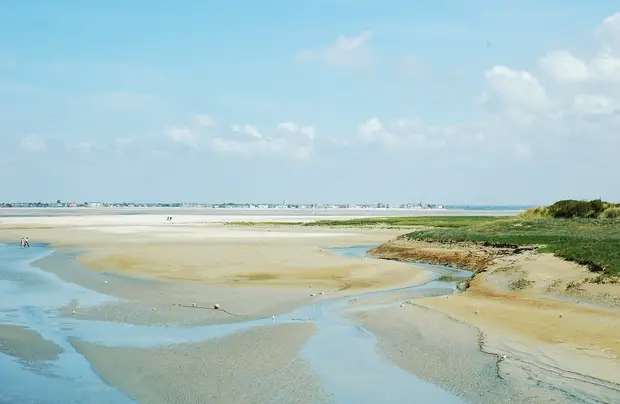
478	102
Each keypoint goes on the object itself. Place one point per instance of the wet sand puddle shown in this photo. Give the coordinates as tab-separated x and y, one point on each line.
342	354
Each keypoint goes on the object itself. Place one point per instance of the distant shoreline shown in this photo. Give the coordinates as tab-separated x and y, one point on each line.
342	212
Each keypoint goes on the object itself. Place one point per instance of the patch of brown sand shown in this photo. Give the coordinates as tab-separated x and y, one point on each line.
292	263
256	366
457	255
227	254
582	338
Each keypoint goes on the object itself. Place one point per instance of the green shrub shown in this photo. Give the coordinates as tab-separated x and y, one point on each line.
611	213
570	208
597	206
538	212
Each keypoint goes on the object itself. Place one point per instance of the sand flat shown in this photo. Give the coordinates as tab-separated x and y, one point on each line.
22	343
255	366
217	253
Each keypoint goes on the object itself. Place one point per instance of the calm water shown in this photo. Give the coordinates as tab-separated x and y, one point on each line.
342	354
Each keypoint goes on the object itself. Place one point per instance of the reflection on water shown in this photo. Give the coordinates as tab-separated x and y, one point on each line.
341	353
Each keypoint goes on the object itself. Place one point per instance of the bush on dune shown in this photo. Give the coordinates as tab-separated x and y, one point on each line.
574	209
571	209
539	212
611	213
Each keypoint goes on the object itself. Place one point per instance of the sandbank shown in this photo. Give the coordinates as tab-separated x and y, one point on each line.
217	253
22	343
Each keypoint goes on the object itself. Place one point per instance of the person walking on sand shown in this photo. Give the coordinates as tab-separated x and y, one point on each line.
26	243
22	243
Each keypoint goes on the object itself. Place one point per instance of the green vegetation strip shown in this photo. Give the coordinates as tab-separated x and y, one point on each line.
594	243
411	221
585	232
264	223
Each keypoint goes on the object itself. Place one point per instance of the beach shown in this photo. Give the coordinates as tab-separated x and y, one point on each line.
304	316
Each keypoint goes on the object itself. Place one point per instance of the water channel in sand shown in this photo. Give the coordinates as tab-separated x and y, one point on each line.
342	354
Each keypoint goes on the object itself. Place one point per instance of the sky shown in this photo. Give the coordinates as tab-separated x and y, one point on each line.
310	101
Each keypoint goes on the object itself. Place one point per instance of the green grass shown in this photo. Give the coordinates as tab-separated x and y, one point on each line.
411	221
594	243
264	223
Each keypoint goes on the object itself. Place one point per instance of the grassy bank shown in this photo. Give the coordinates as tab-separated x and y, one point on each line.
592	240
275	224
411	221
393	222
594	243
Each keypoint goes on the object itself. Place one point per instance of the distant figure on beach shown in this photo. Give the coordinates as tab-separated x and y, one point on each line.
22	243
26	243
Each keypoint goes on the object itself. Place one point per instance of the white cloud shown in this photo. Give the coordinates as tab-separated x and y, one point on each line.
288	139
191	134
185	135
81	147
609	31
596	104
33	144
604	66
403	133
372	130
291	127
562	65
516	88
346	52
522	115
249	130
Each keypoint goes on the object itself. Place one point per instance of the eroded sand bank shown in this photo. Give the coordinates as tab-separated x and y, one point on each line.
536	309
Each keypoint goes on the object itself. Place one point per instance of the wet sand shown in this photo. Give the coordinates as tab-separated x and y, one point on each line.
113	348
22	343
154	267
255	366
449	353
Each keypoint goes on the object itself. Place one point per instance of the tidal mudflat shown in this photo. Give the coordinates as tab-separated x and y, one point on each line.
305	316
326	355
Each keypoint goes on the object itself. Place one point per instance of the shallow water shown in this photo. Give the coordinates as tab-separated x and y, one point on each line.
342	354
